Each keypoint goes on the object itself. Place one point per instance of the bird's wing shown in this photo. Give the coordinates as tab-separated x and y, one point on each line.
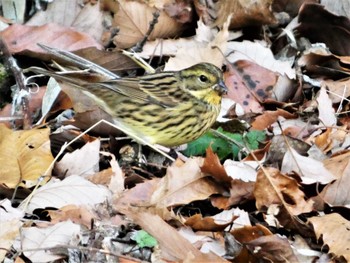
165	95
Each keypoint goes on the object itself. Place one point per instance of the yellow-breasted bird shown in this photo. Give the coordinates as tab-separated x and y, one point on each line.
168	108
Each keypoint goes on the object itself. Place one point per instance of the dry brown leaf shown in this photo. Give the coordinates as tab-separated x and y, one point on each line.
321	26
198	223
213	167
269	117
335	232
112	60
174	247
184	184
246	234
23	39
77	214
280	144
245	13
337	193
25	156
261	55
274	188
133	20
246	87
103	177
272	248
137	199
324	142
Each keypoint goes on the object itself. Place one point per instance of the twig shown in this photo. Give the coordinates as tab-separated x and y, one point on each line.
139	46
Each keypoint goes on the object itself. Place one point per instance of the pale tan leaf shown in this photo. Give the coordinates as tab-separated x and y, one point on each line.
263	56
65	233
200	51
73	190
24	156
245	171
7	212
9	226
337	193
83	161
182	185
325	109
89	20
60	12
335	232
77	214
310	170
133	20
9	230
338	89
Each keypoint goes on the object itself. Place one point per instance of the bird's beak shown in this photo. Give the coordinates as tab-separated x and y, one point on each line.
221	88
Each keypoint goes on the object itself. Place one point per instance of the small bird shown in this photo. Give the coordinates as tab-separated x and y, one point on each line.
168	108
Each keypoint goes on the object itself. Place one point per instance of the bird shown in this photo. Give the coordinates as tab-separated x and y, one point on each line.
168	108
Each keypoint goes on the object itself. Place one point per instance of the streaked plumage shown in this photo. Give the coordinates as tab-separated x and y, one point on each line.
167	108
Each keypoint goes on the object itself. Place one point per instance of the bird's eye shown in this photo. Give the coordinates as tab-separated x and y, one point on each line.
203	78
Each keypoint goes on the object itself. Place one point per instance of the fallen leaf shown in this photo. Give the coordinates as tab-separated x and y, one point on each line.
325	109
310	170
213	167
83	162
60	12
133	20
10	220
184	184
246	234
337	193
244	13
23	39
201	51
9	231
73	190
198	223
77	214
267	118
335	233
321	26
241	170
272	248
273	187
260	55
36	241
25	156
174	247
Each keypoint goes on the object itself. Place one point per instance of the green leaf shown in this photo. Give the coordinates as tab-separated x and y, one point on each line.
143	239
222	147
253	138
